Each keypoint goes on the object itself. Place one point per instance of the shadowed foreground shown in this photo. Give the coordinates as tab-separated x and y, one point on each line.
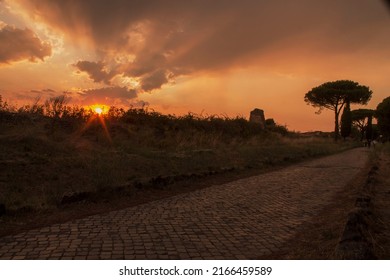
250	218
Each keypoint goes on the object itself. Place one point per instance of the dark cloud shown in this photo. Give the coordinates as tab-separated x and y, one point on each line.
182	37
96	71
49	90
145	63
154	80
45	91
19	44
107	95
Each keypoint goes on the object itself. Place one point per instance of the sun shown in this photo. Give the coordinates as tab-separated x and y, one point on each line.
97	114
99	109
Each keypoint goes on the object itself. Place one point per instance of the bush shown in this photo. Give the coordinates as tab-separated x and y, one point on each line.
383	116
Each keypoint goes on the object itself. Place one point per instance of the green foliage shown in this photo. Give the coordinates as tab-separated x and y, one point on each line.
346	121
334	95
383	117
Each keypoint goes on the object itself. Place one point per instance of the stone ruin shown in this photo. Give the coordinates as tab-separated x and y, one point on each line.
257	116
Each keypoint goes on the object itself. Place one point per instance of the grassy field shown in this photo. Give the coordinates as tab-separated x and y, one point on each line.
49	158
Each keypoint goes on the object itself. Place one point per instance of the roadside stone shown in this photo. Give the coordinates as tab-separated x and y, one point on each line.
257	116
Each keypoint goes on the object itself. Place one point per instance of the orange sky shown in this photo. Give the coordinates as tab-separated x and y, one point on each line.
212	57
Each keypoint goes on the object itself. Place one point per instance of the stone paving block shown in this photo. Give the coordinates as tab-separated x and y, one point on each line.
244	219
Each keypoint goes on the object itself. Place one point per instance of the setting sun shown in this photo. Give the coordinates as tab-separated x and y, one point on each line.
184	69
99	109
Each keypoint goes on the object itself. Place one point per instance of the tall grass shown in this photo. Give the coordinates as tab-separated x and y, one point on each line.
52	150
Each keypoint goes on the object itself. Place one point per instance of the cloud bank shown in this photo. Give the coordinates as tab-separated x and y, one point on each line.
156	41
96	71
20	44
107	95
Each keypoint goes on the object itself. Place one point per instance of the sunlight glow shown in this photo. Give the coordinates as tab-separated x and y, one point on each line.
97	118
99	109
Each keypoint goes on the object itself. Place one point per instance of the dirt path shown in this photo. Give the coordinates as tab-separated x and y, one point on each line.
250	218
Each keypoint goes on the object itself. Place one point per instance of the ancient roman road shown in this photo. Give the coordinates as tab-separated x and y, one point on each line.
244	219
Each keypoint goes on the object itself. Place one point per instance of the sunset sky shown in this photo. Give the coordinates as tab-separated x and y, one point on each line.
220	57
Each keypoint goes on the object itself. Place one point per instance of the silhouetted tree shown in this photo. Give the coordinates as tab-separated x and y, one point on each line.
369	131
388	4
359	119
346	121
375	132
383	117
334	95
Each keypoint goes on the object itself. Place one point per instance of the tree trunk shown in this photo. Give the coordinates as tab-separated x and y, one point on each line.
362	132
336	126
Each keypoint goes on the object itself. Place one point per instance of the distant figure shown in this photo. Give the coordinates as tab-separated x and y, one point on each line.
257	116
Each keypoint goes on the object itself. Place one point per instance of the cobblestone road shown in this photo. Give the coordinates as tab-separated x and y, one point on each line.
245	219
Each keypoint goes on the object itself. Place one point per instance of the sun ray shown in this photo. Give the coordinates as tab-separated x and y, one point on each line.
98	114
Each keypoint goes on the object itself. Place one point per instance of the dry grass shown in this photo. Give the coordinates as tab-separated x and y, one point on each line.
44	159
